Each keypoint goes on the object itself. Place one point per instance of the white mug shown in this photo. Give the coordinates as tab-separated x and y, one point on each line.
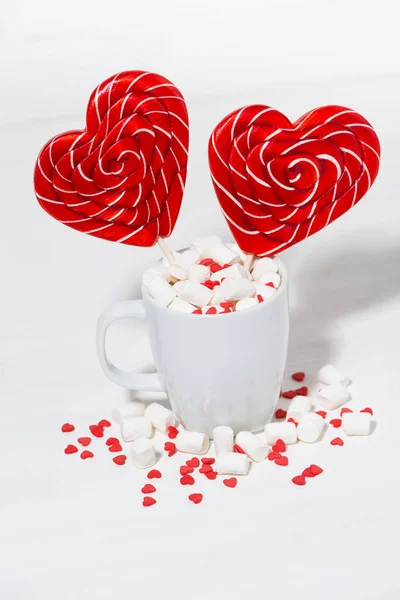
223	369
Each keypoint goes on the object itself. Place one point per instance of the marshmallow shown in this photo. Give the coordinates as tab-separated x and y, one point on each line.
192	442
166	263
161	418
135	428
265	291
187	258
232	463
253	446
201	245
264	265
246	303
234	289
236	248
195	293
178	272
177	285
330	374
281	431
273	278
310	427
298	406
356	423
128	410
149	274
332	396
161	291
143	454
234	271
222	254
182	306
223	439
199	273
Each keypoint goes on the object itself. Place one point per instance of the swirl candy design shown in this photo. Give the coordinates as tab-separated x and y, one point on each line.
278	182
122	179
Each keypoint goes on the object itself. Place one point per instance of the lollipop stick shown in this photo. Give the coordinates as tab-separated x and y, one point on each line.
248	261
165	250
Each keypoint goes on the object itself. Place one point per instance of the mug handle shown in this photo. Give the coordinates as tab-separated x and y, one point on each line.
148	382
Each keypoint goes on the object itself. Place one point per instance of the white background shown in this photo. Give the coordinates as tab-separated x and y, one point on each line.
75	530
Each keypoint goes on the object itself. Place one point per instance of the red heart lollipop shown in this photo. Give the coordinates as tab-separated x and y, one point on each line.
278	182
121	179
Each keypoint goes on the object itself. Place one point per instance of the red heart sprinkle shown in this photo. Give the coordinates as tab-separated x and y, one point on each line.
237	448
290	420
170	448
283	461
299	480
104	423
290	394
211	475
67	427
316	469
211	311
111	441
197	311
206	469
196	498
260	298
187	480
279	446
84	441
345	410
206	262
298	376
270	284
280	414
115	448
367	410
154	474
193	462
337	442
230	483
172	432
215	267
86	454
70	449
208	460
148	489
321	413
336	423
303	391
185	470
226	304
308	472
273	455
96	430
149	501
209	284
119	460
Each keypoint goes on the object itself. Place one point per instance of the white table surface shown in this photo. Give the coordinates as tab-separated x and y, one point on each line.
76	530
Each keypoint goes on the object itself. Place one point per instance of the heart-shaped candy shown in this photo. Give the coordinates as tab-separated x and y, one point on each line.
84	441
149	501
193	462
231	482
154	474
337	442
279	182
187	480
122	178
119	460
70	449
148	488
196	498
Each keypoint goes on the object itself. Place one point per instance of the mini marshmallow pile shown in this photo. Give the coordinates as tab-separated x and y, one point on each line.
212	278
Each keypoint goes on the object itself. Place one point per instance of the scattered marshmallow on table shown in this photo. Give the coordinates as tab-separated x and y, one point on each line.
201	245
161	418
135	428
281	431
356	423
332	396
192	442
264	265
253	446
310	427
199	273
160	290
235	289
128	410
246	303
223	439
232	463
330	374
195	293
182	306
143	453
298	406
